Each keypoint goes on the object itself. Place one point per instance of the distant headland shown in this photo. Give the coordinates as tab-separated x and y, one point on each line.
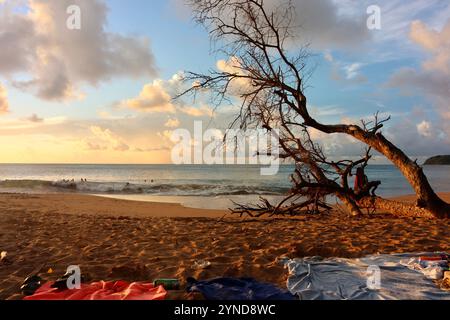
438	160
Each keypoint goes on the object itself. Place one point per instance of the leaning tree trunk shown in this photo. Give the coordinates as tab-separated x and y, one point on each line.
396	208
426	197
352	206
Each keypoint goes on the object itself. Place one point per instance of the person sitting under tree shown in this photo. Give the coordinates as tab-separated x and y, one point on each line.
363	187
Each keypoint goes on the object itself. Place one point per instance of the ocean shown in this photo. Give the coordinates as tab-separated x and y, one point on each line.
200	186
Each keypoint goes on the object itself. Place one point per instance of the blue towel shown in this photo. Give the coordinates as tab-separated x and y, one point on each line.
237	289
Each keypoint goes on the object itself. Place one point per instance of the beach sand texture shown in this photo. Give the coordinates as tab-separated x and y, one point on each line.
136	241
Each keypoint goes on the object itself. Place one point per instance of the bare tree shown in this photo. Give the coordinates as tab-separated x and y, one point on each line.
269	81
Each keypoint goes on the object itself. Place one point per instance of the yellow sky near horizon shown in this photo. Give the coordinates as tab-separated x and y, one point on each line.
50	149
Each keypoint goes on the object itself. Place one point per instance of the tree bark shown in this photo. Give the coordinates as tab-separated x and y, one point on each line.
351	205
394	207
427	198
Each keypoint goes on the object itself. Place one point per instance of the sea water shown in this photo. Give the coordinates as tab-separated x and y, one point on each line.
186	184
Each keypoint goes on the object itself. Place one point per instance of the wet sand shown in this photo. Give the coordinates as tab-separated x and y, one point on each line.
137	241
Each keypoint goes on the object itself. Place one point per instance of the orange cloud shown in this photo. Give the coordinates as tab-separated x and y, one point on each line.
4	105
172	123
234	67
152	98
203	110
105	139
436	42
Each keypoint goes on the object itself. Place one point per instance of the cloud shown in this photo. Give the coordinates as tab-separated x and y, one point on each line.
234	66
104	139
337	145
172	123
34	118
166	135
437	43
436	89
18	41
321	23
14	127
432	82
157	97
328	57
418	137
154	149
348	72
152	98
4	105
326	26
434	85
397	15
201	111
424	128
326	111
57	61
352	70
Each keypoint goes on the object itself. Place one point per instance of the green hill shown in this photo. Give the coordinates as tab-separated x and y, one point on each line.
438	160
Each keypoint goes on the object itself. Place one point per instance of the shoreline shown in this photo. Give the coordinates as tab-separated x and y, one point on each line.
114	239
117	205
84	204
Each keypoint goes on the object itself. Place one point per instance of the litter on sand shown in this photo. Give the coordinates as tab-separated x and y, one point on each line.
446	281
31	285
201	264
168	284
432	267
400	277
4	258
237	289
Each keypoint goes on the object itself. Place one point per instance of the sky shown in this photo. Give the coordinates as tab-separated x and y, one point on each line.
102	94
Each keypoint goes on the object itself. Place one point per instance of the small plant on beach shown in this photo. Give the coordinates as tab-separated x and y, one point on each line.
268	78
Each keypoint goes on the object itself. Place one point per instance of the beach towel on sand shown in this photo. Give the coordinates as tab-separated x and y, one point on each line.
315	278
119	290
237	289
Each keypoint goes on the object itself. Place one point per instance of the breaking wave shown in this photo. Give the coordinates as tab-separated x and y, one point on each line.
165	188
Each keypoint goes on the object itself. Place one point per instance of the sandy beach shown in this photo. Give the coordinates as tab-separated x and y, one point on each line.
137	241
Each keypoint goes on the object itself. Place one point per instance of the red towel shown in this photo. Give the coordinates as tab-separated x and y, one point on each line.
434	258
119	290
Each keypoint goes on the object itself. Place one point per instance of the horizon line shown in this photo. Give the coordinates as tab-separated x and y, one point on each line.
148	164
